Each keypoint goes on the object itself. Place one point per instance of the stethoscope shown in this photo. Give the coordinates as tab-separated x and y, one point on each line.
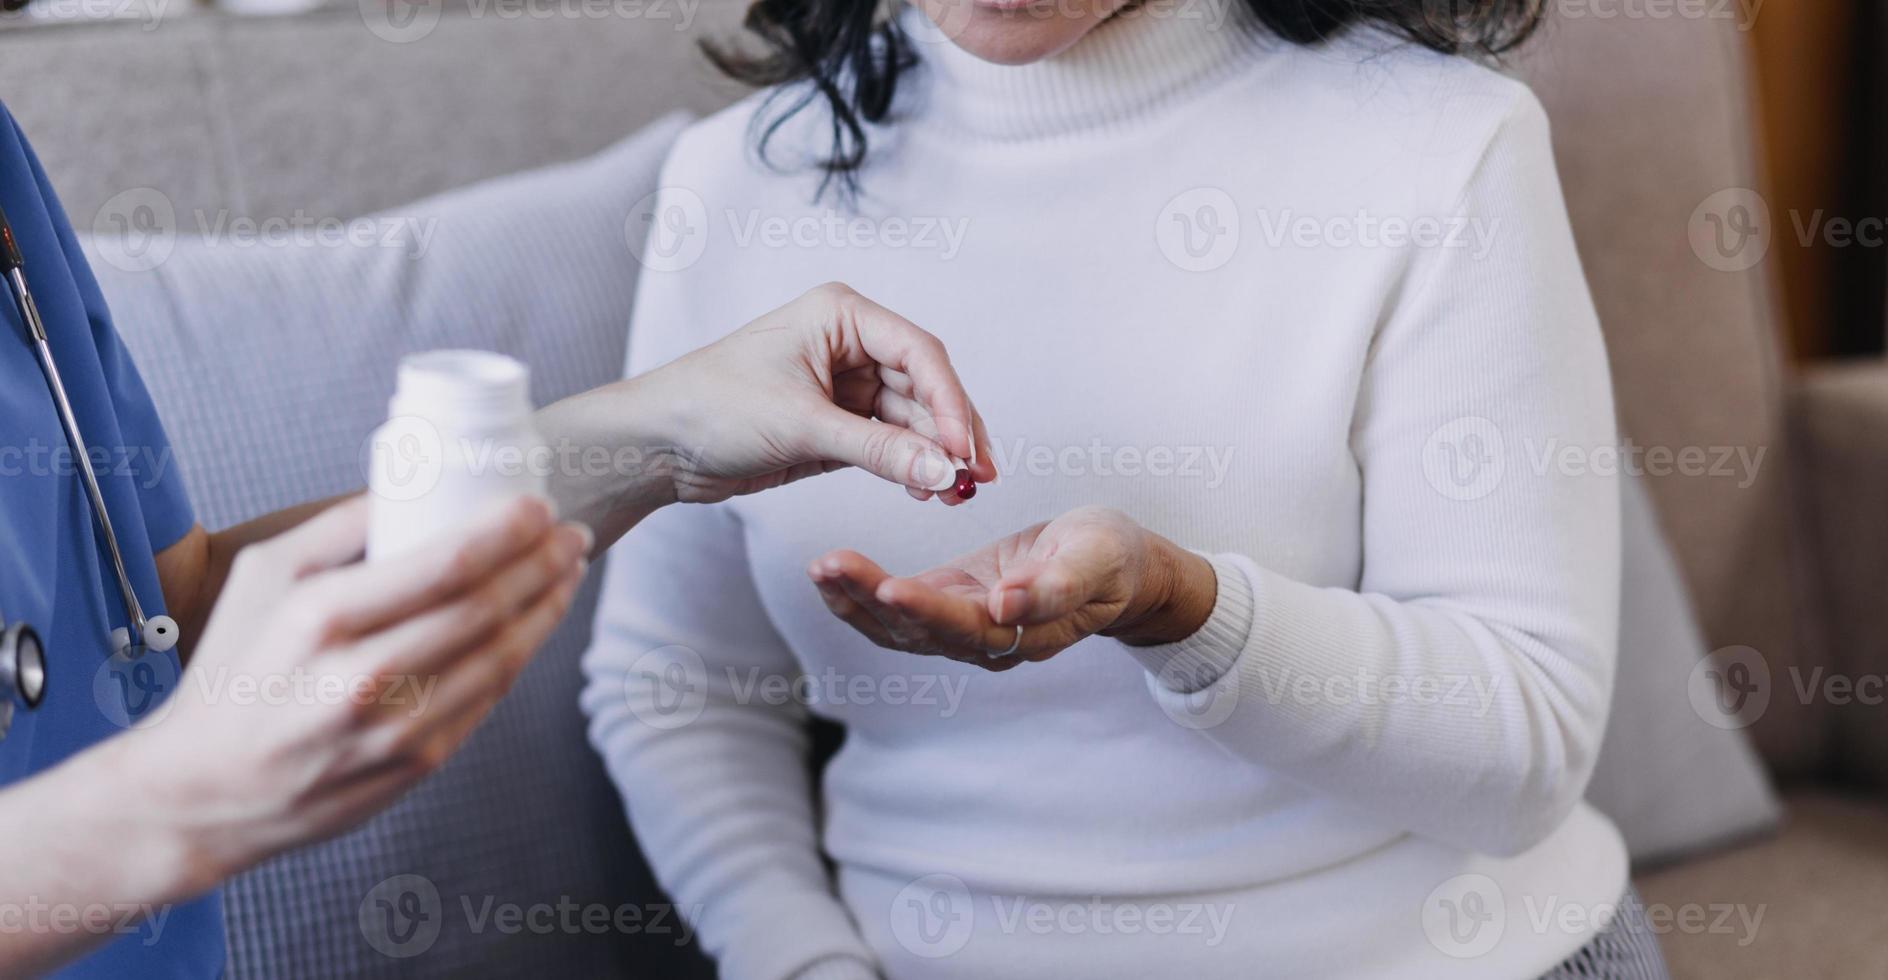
22	657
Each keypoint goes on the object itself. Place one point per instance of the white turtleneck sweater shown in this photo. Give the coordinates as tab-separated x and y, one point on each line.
1314	312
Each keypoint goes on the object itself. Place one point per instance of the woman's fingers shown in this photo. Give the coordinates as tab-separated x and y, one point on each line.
1047	589
332	537
894	342
913	614
848	610
901	410
983	464
470	687
938	613
828	577
888	405
956	635
848	565
887	451
431	641
1036	593
365	597
954	621
846	580
889	627
896	401
858	390
888	395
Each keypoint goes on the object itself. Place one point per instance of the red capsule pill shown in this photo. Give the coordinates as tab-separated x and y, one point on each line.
966	487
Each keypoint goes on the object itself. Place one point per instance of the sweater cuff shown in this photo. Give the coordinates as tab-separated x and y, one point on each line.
787	934
838	968
1195	663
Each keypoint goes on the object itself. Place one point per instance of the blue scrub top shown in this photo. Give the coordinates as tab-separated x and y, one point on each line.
54	573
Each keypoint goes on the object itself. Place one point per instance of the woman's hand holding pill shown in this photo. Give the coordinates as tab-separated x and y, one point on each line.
832	379
1091	571
827	381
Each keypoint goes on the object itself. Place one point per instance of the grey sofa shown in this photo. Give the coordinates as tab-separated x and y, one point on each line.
321	114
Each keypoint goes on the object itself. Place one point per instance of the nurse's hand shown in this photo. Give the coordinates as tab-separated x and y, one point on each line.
827	381
1090	571
367	677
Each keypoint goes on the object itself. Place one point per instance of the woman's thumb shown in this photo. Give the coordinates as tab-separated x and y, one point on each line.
1036	593
886	451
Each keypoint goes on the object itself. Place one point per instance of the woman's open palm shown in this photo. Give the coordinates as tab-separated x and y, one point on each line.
1062	581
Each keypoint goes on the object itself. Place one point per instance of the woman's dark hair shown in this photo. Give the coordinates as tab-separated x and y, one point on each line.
850	55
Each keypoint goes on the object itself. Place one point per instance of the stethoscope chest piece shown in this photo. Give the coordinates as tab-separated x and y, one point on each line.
22	672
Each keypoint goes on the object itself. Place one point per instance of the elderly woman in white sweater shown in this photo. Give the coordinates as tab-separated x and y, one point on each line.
1283	641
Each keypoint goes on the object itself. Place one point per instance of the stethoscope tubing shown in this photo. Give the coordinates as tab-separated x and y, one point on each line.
23	299
137	636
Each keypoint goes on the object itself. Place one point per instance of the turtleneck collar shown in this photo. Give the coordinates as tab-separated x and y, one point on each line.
1136	63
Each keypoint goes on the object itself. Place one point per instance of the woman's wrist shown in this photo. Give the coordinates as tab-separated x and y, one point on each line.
616	451
1174	596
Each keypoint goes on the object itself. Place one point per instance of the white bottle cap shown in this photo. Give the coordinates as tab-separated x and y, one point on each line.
465	387
458	441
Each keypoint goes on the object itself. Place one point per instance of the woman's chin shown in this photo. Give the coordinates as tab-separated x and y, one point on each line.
1016	32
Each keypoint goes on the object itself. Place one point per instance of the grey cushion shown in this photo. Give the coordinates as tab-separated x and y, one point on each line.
270	365
1675	781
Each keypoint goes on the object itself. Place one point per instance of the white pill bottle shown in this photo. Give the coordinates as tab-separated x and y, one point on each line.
458	444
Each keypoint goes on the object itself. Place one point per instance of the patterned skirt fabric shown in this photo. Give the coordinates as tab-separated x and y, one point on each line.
1626	950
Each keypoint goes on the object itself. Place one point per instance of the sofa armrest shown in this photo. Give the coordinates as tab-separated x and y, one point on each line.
1839	414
